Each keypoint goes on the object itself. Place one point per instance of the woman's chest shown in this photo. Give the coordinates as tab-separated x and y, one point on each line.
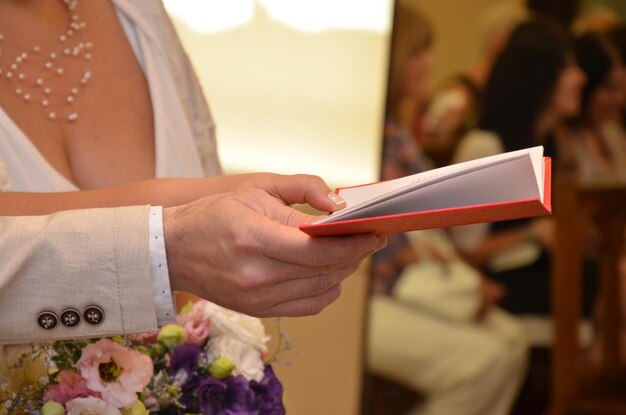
95	130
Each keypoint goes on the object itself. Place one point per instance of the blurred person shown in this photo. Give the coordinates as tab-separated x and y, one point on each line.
534	86
454	109
433	322
595	143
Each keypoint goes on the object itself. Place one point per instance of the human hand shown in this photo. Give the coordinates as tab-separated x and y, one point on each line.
491	293
298	188
243	250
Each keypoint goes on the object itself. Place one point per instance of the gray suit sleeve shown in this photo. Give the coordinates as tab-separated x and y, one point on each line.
88	269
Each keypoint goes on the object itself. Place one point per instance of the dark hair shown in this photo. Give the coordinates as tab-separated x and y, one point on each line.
562	11
596	56
617	36
411	34
523	80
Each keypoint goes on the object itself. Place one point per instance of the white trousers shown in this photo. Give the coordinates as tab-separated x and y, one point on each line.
461	368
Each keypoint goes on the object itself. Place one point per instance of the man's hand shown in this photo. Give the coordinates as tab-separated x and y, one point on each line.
243	250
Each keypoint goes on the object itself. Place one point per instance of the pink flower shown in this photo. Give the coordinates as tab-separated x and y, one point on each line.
197	326
90	406
69	385
196	332
126	372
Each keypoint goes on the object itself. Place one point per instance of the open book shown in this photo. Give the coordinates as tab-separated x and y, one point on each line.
506	186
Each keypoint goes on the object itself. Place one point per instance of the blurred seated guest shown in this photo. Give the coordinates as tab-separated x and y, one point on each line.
534	86
433	322
596	142
453	110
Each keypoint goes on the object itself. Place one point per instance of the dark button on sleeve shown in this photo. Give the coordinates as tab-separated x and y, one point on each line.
70	317
93	314
47	320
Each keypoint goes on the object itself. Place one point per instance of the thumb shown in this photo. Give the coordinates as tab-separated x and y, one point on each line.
276	210
304	188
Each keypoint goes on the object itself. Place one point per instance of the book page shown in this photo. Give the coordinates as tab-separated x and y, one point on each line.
505	177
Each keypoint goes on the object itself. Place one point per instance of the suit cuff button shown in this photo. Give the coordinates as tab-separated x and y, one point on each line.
70	317
93	315
47	320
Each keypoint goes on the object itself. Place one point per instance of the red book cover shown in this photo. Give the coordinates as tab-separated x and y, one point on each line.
495	179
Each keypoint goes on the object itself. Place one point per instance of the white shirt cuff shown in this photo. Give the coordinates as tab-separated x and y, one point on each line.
164	301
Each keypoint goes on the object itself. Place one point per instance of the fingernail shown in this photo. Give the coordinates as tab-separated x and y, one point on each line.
382	242
335	198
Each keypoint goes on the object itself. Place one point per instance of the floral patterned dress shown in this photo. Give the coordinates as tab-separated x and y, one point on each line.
402	156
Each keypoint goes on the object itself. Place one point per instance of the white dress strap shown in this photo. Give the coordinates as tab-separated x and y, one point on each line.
184	130
26	169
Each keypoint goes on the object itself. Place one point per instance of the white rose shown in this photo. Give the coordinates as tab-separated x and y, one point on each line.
90	406
246	358
247	329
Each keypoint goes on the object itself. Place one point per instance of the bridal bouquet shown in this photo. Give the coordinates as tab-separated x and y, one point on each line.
214	361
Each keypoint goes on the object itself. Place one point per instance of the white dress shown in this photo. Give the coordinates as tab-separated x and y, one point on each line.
184	130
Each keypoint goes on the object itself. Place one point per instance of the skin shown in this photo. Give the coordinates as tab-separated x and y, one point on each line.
113	140
565	101
261	264
232	240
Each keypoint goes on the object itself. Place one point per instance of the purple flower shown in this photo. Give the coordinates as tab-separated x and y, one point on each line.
185	358
212	394
232	396
268	394
183	364
189	396
239	397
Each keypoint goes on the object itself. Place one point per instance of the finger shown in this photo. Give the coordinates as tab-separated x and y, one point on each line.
288	215
304	188
269	297
286	297
304	306
290	245
294	289
270	236
264	272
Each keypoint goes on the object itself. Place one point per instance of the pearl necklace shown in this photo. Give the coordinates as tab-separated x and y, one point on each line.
70	45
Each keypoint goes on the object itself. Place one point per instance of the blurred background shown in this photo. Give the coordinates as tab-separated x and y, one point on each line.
305	86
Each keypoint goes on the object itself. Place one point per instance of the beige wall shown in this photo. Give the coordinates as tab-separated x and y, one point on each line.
290	101
325	377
